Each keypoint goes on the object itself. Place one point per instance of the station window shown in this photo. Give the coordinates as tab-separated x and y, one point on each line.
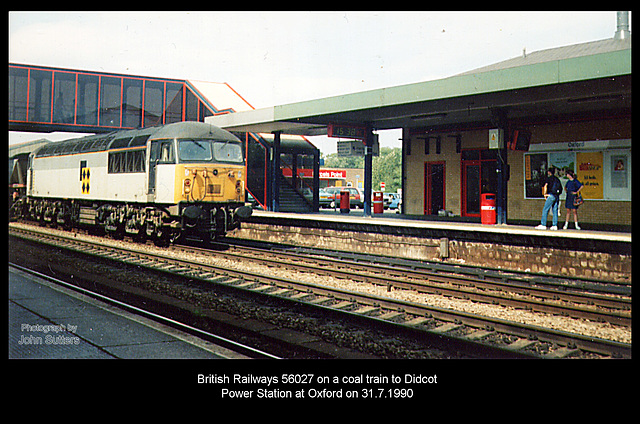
40	96
173	112
64	98
153	103
18	94
87	99
110	101
204	112
191	110
132	103
257	169
92	99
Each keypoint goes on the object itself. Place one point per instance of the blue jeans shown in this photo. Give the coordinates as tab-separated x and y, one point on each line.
551	202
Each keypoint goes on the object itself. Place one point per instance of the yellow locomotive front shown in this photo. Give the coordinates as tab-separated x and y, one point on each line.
209	186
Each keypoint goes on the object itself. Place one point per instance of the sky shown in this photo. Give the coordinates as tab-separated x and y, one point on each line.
275	58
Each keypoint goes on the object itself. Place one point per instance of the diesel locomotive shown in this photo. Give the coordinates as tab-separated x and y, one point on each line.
161	183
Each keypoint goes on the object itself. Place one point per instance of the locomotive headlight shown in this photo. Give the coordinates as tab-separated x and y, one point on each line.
187	186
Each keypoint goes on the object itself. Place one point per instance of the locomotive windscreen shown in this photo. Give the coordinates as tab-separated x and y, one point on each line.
209	150
227	152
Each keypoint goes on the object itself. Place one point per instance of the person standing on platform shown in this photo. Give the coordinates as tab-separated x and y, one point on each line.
551	191
573	188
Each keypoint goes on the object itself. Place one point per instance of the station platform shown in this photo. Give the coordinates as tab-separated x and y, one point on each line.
586	254
47	321
397	224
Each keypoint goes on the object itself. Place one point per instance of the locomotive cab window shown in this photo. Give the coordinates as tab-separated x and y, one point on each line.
162	151
227	151
209	150
194	151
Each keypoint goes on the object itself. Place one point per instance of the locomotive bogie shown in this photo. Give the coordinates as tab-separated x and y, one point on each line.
159	183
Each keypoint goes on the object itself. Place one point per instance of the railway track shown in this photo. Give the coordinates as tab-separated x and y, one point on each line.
568	299
496	337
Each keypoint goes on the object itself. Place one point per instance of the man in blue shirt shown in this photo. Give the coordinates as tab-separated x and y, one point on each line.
551	191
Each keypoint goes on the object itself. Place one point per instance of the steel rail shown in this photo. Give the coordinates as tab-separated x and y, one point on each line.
276	286
463	287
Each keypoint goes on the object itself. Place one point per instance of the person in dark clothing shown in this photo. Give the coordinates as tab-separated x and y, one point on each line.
551	191
573	187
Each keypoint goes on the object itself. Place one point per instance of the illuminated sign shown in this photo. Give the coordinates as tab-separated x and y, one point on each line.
346	131
333	174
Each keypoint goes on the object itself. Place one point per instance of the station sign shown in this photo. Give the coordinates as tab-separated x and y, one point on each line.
338	174
496	138
350	148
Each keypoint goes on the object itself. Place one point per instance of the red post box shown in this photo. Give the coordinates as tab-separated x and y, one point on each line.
378	205
345	206
488	208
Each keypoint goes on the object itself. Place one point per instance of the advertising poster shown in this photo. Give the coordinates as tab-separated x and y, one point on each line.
563	162
535	172
619	177
589	172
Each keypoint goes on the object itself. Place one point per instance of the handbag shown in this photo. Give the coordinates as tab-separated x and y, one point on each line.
578	200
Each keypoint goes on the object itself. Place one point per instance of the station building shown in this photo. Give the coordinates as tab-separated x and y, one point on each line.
587	130
494	130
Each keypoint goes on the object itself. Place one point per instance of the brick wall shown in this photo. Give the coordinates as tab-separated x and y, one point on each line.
604	266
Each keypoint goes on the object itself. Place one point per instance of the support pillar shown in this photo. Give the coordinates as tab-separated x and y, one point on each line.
275	173
368	170
406	151
499	119
316	180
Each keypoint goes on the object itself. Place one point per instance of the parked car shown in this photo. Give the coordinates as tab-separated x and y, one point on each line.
326	198
396	204
387	198
356	199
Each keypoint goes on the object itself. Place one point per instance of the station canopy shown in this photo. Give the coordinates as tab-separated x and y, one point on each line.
583	78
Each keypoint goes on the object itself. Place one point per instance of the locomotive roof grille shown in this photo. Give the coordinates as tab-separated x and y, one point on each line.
134	138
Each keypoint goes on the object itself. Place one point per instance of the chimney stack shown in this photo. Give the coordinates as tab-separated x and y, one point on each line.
622	30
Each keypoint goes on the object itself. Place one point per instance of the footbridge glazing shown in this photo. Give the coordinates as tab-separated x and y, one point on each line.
45	99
